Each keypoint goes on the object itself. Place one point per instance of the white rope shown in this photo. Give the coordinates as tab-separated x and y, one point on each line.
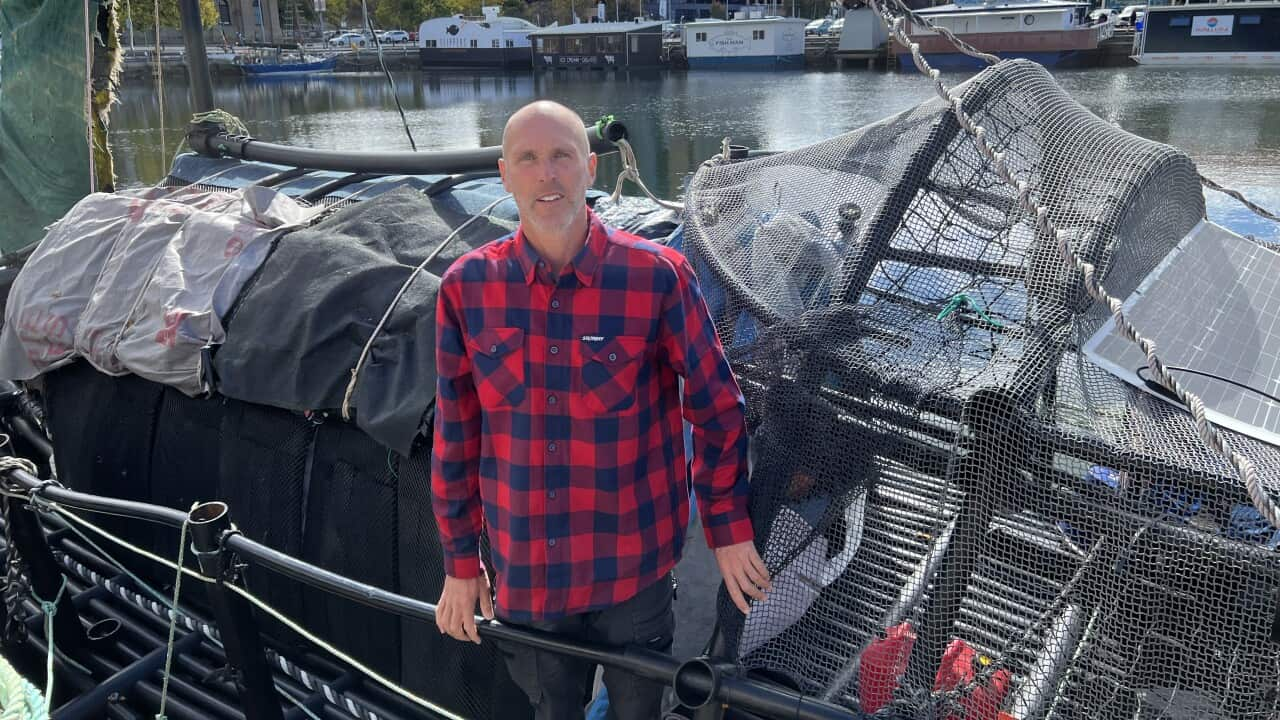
631	171
287	622
1260	211
404	287
1209	434
19	699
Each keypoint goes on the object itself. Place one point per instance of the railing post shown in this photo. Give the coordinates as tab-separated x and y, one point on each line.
210	523
46	578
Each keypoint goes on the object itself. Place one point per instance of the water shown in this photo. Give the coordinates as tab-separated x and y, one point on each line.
1228	120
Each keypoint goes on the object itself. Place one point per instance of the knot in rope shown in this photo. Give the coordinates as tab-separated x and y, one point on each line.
232	123
50	609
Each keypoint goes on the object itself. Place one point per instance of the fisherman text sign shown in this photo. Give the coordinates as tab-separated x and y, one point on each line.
1212	25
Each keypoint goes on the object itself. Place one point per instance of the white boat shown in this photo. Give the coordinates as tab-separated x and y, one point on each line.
488	40
745	41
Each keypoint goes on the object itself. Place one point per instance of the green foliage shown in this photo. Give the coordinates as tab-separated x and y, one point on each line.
144	14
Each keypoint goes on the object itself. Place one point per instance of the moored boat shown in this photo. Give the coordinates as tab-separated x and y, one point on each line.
1220	33
1049	32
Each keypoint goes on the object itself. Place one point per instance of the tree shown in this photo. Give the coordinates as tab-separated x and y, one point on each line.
514	8
144	15
718	10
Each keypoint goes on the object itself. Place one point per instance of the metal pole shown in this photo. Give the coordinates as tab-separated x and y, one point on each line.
210	524
197	56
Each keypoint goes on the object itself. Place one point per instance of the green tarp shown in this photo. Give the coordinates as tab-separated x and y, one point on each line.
45	163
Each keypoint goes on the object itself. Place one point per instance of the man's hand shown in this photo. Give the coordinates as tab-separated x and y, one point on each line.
456	611
744	573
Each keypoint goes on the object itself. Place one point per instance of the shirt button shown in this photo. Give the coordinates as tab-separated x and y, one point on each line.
551	447
552	542
493	348
552	494
554	349
555	304
613	357
552	400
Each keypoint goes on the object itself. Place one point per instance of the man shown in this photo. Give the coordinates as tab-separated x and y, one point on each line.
558	422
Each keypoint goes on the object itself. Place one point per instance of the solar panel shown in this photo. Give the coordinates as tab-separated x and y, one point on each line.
1213	309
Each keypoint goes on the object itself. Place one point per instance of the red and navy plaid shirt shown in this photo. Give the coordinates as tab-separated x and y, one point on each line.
558	421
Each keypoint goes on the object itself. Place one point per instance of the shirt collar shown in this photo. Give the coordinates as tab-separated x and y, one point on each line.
584	264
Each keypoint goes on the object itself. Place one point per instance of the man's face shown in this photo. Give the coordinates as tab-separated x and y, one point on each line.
547	170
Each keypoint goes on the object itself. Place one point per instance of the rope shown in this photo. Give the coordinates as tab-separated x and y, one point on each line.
159	76
1261	212
1209	433
376	677
173	616
50	609
962	301
395	95
631	171
404	287
19	699
221	117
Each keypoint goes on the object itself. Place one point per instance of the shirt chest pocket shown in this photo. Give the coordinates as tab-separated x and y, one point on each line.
610	369
497	361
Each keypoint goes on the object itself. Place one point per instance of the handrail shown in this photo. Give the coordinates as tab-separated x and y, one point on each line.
742	692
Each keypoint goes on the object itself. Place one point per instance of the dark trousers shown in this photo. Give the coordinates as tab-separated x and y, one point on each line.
558	686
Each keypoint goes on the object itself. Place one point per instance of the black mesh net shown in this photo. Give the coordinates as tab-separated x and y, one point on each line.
962	514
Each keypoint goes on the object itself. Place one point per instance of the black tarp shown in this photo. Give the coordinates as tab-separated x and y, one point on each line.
299	327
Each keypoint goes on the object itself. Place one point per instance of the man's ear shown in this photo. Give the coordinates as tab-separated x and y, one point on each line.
591	166
502	173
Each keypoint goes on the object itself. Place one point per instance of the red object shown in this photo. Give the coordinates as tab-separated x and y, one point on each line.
557	402
959	668
884	662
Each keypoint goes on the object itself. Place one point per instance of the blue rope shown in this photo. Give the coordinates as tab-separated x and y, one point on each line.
961	302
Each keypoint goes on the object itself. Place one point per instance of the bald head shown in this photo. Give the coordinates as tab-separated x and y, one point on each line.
537	117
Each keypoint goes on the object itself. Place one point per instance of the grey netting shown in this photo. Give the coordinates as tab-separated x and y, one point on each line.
961	513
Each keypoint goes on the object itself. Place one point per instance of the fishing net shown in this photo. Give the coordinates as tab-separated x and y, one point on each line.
57	82
963	513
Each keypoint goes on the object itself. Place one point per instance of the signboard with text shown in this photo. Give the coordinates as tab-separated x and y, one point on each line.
1212	25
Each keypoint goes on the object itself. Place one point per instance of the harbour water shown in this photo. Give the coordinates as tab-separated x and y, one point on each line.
1228	120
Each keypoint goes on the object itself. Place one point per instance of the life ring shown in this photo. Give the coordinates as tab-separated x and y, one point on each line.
1028	19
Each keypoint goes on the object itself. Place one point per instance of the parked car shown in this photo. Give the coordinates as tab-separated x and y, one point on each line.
394	36
836	27
818	27
1129	16
348	39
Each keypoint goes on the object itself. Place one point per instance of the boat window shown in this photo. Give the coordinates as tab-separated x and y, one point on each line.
1183	21
1250	19
430	43
635	44
511	43
475	43
699	37
609	44
757	34
495	43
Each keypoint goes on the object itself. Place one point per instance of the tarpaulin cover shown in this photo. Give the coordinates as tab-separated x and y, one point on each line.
139	282
299	327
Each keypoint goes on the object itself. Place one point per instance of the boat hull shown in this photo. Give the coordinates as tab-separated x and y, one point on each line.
439	57
960	61
1190	59
748	61
291	69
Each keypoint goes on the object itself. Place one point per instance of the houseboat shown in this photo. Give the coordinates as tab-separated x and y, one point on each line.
1224	33
745	41
1050	32
598	45
488	40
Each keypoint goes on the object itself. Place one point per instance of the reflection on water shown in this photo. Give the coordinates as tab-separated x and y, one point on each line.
1227	120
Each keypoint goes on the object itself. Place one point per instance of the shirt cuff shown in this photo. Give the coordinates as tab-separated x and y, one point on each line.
738	531
462	567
